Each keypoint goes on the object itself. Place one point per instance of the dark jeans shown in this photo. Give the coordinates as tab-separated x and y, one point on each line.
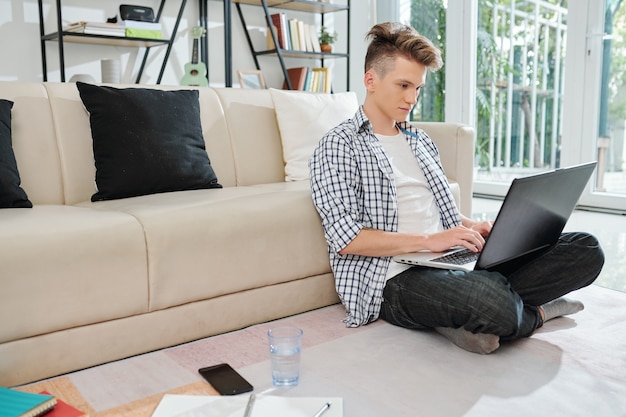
502	303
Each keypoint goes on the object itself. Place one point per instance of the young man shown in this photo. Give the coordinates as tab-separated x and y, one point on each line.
380	190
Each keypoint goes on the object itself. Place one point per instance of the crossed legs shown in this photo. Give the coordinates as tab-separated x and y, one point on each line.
479	309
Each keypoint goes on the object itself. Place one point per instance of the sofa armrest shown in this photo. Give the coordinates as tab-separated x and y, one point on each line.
456	147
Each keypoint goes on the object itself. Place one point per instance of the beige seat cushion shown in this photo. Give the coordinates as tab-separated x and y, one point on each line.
207	243
66	266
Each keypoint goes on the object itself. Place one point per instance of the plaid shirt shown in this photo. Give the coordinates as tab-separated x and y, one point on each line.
353	188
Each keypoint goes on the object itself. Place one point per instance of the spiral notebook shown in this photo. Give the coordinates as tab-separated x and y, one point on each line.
15	403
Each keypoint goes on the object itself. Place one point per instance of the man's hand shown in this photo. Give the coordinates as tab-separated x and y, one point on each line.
371	242
468	237
484	228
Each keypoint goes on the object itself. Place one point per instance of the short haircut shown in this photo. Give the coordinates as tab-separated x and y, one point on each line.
391	40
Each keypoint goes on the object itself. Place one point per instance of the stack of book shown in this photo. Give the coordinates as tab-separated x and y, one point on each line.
97	28
127	28
293	34
14	403
316	80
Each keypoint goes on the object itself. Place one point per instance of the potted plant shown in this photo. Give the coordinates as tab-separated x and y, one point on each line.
327	39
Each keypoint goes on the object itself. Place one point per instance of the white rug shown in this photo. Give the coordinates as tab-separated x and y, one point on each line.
573	366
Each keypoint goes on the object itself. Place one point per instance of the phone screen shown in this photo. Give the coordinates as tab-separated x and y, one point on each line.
225	379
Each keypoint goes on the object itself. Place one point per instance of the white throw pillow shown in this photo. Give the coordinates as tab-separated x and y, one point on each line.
303	118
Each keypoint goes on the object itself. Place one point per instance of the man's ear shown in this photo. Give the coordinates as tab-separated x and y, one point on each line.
369	80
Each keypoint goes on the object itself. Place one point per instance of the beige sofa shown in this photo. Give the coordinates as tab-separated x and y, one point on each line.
84	283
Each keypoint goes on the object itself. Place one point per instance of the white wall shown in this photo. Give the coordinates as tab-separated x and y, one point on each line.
21	52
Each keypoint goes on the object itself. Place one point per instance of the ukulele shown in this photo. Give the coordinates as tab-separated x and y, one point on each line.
195	72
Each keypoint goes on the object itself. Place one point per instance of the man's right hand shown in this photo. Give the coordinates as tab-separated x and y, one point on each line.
371	242
457	236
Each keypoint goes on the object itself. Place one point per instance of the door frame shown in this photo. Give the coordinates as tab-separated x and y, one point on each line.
583	72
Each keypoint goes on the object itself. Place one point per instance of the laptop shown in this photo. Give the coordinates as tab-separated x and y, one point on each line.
531	218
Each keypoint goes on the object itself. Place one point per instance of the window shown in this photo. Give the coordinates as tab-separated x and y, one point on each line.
519	88
428	17
539	97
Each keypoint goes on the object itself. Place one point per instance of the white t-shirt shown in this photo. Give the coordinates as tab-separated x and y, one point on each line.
417	209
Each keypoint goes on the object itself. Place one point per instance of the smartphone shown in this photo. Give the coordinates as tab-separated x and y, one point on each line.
225	379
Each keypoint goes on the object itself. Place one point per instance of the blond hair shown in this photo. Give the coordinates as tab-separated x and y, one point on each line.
391	40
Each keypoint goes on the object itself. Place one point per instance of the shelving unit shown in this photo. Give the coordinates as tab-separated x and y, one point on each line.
63	37
307	6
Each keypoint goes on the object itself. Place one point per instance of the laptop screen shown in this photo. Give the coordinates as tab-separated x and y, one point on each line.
534	213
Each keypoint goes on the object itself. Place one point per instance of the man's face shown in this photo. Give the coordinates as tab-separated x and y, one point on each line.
396	93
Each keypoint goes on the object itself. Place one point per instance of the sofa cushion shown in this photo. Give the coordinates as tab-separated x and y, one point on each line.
303	118
11	193
255	145
63	267
146	141
207	243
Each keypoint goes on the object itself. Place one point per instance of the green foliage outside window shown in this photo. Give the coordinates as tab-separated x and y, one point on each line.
495	74
617	77
428	17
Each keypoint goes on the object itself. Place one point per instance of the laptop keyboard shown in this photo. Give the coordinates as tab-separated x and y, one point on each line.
461	257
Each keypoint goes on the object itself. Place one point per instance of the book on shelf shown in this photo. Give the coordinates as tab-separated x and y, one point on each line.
136	24
15	403
279	20
302	36
63	409
315	39
321	80
314	86
97	28
270	41
311	38
104	32
315	80
127	28
143	33
293	34
297	77
146	30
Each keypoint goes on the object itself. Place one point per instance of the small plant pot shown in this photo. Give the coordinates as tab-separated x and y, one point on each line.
325	47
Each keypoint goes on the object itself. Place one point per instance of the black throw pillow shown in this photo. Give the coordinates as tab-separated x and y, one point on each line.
11	194
146	141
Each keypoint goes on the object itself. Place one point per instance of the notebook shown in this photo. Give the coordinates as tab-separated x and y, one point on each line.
531	218
63	409
234	406
15	403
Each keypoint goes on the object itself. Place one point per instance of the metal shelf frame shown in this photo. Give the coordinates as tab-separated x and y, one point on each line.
62	37
308	6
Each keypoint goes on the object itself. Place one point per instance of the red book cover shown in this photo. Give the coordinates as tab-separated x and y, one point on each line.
63	409
296	77
278	24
